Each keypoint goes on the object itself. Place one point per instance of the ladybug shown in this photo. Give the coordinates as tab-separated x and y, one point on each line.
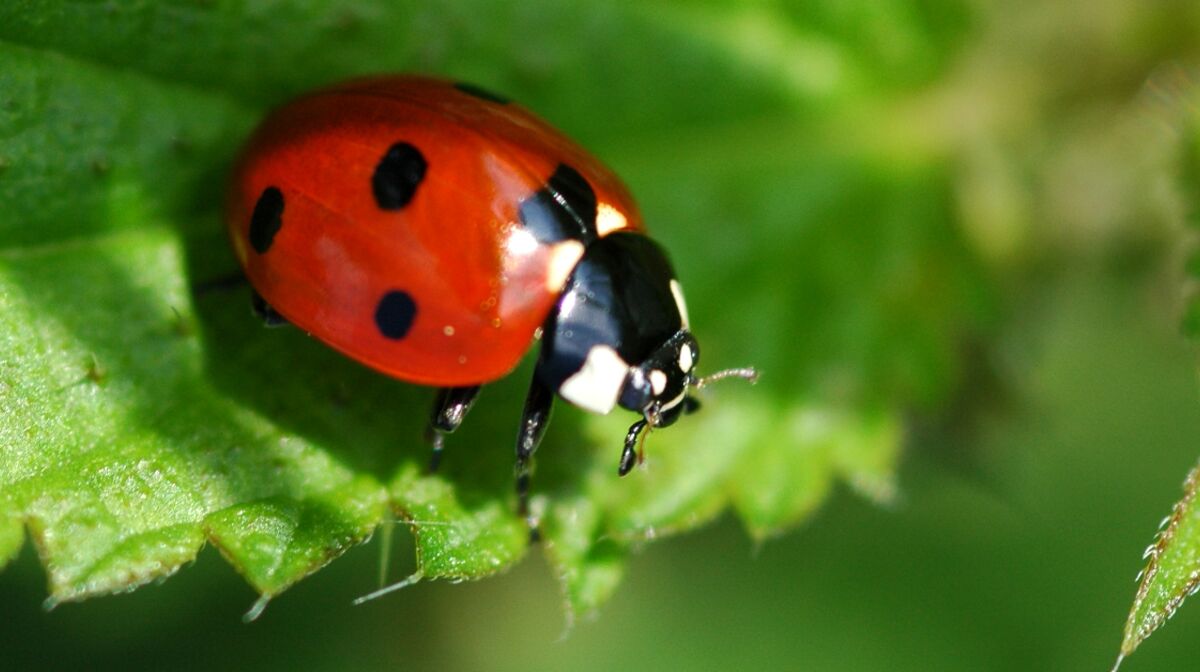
433	231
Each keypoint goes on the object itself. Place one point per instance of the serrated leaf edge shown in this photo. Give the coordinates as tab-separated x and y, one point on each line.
1135	634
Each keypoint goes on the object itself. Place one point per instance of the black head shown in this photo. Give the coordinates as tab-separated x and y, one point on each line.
619	336
658	385
619	333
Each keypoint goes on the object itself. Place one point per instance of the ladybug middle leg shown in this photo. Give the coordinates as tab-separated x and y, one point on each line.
534	420
449	409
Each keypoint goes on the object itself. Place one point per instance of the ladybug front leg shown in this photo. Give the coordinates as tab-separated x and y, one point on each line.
630	455
449	409
534	421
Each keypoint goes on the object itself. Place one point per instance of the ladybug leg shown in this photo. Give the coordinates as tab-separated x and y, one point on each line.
629	455
265	312
449	409
534	420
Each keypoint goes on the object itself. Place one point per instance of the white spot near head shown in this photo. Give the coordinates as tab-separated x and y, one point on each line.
520	242
686	359
596	386
448	330
658	381
609	219
569	300
677	292
563	258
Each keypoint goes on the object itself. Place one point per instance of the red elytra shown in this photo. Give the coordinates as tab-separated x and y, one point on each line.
478	285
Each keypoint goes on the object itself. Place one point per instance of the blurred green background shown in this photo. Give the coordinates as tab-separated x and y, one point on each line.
972	212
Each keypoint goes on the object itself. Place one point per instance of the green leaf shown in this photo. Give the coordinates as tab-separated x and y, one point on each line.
776	488
589	563
458	538
1172	571
275	541
109	447
139	420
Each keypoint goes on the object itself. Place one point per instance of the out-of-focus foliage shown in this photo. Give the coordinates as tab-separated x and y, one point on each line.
908	213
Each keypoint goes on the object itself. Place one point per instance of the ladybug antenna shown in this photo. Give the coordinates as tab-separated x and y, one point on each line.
746	373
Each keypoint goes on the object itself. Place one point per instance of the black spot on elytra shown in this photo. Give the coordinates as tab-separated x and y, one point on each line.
480	92
563	209
397	176
266	220
395	314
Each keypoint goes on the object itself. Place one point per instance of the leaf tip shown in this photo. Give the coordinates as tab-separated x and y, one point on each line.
256	609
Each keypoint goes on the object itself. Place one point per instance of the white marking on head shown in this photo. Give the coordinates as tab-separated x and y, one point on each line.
563	258
658	381
596	386
448	330
609	219
677	292
686	359
673	403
